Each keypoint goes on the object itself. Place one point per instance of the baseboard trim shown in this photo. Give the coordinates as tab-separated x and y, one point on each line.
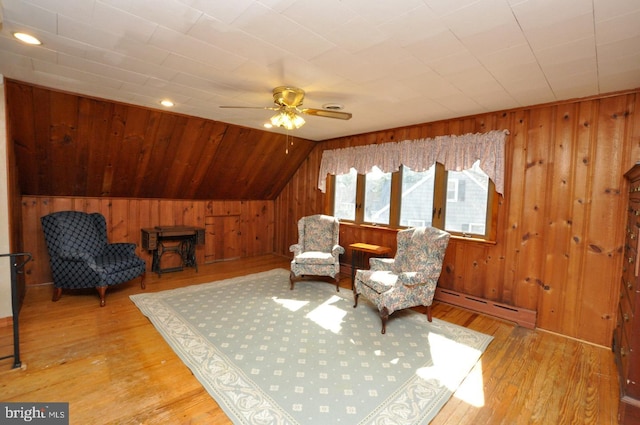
523	317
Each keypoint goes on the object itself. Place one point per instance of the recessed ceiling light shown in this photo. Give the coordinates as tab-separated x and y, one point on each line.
26	38
268	125
167	103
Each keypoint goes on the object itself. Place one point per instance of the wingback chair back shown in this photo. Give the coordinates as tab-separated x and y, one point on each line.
81	257
318	233
420	249
74	231
317	252
409	279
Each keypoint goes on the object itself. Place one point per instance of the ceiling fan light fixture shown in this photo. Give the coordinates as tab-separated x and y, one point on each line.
298	121
288	101
277	120
287	119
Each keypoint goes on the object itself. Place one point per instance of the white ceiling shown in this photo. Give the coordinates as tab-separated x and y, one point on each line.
389	62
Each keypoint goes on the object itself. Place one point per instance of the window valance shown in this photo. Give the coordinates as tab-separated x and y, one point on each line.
456	153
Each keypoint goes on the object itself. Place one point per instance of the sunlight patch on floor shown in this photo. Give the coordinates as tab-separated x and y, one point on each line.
293	305
446	354
328	316
471	391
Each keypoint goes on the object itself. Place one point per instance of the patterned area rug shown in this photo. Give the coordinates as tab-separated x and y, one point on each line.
269	355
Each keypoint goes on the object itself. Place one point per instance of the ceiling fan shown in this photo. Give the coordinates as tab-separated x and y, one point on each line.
288	101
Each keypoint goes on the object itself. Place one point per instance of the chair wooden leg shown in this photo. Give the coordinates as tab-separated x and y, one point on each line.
291	280
142	284
337	283
429	313
102	290
57	293
355	298
384	315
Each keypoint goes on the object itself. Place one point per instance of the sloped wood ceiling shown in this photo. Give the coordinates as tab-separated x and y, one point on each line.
70	145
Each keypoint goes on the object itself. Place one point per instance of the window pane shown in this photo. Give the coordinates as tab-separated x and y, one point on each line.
345	198
416	205
377	196
467	195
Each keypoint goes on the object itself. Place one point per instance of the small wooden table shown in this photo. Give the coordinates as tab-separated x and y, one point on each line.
359	253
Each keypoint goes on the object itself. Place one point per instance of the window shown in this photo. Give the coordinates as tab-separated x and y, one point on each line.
377	197
416	202
345	199
460	202
466	212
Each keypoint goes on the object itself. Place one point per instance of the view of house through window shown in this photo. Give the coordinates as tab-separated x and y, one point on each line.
416	204
459	203
345	196
377	197
467	195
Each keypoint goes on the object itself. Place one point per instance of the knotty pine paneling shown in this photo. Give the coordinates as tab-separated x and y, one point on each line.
559	236
75	146
252	230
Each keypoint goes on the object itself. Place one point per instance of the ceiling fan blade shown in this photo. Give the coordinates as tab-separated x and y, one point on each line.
271	108
327	113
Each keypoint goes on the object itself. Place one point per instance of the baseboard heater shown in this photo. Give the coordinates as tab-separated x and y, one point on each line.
523	317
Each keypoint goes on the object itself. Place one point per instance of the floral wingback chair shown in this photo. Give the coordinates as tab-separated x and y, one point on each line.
81	257
317	252
409	279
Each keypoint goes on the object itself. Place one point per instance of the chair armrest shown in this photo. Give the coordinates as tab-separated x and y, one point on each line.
411	278
418	278
76	256
337	250
296	249
124	249
381	264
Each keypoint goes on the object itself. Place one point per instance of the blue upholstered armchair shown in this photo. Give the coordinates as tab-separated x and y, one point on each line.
317	252
81	257
409	279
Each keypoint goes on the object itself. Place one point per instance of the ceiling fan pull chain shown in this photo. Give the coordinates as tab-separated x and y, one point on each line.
286	143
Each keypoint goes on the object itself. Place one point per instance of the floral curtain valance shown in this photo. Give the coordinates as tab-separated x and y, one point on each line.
454	152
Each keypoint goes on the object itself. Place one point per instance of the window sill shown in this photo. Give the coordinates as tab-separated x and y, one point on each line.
456	237
472	239
368	226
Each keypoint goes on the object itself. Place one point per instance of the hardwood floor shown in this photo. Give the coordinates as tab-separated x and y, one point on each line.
113	367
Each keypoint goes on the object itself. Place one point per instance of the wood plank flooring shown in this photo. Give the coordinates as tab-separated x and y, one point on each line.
114	368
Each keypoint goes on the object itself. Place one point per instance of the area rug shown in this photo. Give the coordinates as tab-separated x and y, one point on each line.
271	355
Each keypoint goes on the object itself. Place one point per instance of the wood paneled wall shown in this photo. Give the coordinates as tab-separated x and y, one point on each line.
70	145
125	217
560	222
